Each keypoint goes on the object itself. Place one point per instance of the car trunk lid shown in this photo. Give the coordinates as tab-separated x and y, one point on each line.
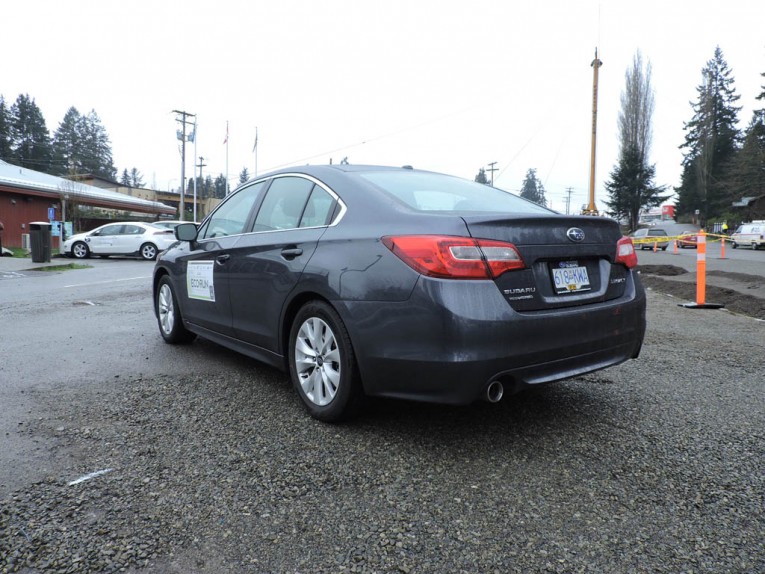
569	259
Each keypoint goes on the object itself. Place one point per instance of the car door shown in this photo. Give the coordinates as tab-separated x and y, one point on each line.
266	265
129	239
102	241
204	272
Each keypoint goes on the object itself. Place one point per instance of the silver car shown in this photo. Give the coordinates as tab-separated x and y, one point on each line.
130	238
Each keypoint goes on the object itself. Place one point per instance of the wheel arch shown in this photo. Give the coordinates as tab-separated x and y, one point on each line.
288	317
158	275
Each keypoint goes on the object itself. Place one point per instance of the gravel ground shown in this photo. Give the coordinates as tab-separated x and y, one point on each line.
657	465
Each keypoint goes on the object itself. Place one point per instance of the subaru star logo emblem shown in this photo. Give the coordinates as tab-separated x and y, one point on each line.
575	234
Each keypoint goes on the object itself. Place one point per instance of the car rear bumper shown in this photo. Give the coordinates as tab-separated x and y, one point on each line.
453	338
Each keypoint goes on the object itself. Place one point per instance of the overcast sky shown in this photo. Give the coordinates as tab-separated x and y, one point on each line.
445	86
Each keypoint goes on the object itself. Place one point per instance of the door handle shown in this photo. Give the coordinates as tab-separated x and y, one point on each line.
291	252
221	259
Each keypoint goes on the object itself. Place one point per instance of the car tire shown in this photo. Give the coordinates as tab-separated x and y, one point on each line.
168	314
148	251
80	250
322	364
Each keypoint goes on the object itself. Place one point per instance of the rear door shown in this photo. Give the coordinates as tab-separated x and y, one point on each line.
129	239
266	265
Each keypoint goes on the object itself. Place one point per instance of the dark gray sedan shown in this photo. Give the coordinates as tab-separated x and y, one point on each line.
393	282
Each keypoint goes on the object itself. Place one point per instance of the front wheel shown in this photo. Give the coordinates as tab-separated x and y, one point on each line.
322	363
149	251
169	314
80	250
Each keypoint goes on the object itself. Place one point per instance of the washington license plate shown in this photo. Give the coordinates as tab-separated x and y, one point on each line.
569	277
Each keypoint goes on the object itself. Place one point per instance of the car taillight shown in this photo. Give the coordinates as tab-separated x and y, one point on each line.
625	253
455	257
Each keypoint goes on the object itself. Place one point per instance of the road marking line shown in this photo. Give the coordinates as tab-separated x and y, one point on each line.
89	476
109	281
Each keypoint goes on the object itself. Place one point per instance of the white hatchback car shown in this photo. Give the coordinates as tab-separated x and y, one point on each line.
120	238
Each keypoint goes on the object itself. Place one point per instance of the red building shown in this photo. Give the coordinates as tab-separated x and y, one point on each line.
30	196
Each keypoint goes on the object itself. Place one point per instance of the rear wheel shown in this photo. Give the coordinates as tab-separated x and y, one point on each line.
322	363
149	251
169	314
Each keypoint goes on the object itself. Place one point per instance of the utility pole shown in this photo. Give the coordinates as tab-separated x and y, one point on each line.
200	165
181	117
569	191
492	169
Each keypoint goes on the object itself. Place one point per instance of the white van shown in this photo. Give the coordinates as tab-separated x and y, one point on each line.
749	235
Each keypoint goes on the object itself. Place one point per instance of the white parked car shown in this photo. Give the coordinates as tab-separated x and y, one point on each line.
749	235
120	238
168	223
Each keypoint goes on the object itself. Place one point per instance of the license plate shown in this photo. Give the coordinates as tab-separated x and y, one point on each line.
570	278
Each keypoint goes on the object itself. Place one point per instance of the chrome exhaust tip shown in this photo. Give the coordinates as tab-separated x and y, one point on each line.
494	392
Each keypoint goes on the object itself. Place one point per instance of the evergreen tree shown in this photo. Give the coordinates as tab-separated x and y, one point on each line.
631	187
711	142
532	189
30	140
481	177
97	149
136	179
125	179
5	131
747	177
244	175
67	144
220	187
81	145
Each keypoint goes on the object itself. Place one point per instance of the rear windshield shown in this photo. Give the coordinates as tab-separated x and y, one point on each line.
436	192
657	232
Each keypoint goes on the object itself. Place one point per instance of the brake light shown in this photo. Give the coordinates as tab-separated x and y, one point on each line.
625	253
455	257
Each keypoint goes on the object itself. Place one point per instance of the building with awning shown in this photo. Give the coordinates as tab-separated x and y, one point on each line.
30	196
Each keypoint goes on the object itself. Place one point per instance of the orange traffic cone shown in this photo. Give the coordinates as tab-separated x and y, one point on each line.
701	276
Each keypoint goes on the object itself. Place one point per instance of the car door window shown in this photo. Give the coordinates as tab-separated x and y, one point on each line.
284	204
132	230
231	216
319	208
110	230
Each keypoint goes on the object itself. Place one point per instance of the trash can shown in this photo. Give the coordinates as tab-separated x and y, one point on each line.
40	240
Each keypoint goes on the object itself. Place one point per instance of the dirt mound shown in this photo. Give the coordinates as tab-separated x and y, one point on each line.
658	278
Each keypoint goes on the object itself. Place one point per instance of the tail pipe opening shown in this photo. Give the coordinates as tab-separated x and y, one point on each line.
494	392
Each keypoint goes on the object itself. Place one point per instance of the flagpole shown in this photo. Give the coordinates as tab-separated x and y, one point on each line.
226	142
255	149
195	169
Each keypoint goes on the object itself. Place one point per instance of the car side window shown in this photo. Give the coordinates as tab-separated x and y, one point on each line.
111	230
319	208
132	230
231	216
284	203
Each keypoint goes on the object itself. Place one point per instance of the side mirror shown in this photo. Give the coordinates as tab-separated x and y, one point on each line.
186	232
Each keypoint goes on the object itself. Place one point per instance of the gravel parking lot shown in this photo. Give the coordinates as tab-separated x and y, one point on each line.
654	466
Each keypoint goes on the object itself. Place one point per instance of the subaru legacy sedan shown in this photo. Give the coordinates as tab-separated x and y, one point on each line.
393	282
